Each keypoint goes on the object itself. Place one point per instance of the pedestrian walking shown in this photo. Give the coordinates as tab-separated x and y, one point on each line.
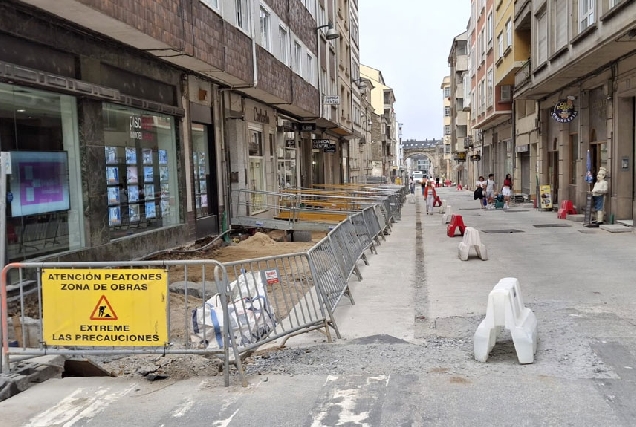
507	190
480	189
411	185
490	188
429	195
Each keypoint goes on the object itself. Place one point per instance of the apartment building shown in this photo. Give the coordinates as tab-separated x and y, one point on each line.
491	106
580	74
162	113
459	129
448	167
383	124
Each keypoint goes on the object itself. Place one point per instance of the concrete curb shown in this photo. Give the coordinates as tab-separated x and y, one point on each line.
30	372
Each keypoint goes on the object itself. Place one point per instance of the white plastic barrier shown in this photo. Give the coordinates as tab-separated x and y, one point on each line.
472	240
448	213
442	207
506	309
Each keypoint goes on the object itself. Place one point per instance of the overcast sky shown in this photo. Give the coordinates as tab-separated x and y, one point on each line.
409	41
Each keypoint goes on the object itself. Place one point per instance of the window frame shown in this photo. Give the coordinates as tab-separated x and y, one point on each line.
283	44
265	17
297	56
589	14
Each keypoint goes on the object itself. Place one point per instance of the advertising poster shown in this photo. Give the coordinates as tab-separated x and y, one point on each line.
114	216
133	193
131	175
111	155
165	190
113	195
149	174
204	200
146	153
203	187
163	157
545	194
112	175
133	213
151	210
163	173
201	171
165	207
131	156
149	191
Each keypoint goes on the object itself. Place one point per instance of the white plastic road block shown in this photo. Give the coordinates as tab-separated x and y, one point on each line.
506	309
447	215
442	208
472	240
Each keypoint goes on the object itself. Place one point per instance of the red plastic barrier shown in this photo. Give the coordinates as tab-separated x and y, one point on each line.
455	223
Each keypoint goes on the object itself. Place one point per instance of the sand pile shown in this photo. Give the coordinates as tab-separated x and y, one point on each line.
258	239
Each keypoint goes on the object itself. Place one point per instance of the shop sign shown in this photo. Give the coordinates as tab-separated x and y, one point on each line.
460	157
306	127
260	116
331	148
320	144
290	143
564	111
475	157
332	100
135	127
545	194
523	148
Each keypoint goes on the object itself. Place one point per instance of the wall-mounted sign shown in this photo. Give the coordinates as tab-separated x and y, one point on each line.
475	157
545	194
332	100
306	127
331	148
320	144
261	116
522	148
460	156
290	143
564	111
468	142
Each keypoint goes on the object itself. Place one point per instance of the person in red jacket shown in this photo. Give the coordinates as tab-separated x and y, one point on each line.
429	195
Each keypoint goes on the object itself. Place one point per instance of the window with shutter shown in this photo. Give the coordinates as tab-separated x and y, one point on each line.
561	24
542	45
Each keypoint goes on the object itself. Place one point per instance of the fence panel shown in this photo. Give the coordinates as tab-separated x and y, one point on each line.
365	231
95	308
273	297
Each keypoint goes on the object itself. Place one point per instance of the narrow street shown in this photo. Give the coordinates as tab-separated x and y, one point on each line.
406	357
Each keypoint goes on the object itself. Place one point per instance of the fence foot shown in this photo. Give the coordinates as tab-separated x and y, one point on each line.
364	257
347	293
373	249
327	333
356	270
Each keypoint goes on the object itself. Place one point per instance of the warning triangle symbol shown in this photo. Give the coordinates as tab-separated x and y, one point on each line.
103	310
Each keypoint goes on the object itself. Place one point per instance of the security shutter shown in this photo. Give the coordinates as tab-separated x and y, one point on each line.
542	46
561	18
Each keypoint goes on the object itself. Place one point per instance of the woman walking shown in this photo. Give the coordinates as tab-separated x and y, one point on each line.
429	195
480	190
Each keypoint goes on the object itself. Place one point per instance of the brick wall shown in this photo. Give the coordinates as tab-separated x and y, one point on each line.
303	25
304	95
273	76
187	26
280	8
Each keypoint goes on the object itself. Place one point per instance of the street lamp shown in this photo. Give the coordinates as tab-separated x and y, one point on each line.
330	34
360	83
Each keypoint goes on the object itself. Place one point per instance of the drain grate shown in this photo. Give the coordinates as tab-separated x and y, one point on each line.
503	231
469	209
588	231
516	210
551	225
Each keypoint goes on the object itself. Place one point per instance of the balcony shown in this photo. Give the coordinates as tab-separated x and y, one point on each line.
522	77
523	8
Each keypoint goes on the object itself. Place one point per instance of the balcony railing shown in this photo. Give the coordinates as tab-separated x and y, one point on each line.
522	77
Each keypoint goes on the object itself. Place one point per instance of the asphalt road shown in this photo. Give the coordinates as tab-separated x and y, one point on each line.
406	354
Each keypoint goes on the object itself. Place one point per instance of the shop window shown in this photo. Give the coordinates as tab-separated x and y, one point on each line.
286	154
201	167
141	172
44	192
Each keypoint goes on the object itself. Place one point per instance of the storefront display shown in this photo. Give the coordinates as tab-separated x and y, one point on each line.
140	145
44	196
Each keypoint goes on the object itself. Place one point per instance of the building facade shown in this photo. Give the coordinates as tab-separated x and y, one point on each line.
579	73
150	122
459	129
449	171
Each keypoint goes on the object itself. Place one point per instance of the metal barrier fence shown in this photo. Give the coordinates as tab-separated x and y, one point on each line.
224	309
86	295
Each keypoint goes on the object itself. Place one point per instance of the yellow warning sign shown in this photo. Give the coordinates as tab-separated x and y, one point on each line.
103	310
105	307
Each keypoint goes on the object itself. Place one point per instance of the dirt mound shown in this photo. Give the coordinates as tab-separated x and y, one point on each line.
258	239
